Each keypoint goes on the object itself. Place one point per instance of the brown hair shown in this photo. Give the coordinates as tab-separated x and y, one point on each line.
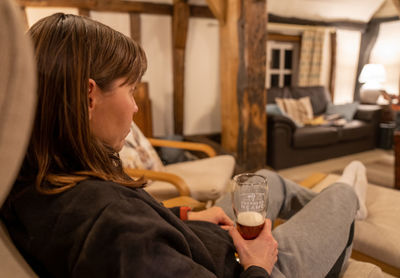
69	50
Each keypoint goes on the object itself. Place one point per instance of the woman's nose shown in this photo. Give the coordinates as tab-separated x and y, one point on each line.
135	108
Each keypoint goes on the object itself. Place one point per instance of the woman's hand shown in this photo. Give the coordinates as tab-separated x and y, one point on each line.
261	251
214	215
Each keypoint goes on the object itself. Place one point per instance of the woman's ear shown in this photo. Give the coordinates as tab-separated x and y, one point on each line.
91	96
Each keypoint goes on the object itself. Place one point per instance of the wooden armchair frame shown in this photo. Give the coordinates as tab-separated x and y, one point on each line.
184	198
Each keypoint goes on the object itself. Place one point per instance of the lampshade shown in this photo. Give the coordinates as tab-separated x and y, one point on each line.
372	73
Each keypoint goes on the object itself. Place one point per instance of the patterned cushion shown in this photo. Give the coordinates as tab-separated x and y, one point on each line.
138	152
299	110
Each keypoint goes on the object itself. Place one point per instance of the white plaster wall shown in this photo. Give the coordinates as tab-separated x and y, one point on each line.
202	86
117	21
156	41
33	14
387	52
348	47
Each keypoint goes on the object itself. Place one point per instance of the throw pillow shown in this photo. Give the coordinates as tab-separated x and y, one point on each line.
347	110
299	110
138	152
273	109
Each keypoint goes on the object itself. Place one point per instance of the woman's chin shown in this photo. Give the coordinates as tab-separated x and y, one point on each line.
119	147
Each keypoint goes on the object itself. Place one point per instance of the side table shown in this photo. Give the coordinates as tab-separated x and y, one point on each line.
397	159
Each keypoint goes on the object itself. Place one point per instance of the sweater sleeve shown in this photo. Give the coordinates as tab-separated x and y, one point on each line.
137	243
175	210
255	272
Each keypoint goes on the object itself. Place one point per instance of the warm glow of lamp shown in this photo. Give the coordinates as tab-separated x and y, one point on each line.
372	75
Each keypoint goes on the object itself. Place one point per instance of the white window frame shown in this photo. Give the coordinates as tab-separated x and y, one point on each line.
281	71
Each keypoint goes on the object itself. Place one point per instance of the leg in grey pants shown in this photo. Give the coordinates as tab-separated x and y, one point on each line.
317	228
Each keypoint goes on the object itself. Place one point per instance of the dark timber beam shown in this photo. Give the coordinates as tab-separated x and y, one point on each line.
332	70
117	6
25	18
84	12
218	8
102	5
251	84
180	24
135	24
243	67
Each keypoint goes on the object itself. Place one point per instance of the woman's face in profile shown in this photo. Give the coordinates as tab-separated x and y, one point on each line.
111	112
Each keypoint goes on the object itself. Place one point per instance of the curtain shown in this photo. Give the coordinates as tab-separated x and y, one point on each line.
397	5
312	45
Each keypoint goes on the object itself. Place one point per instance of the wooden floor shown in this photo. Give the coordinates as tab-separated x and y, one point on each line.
379	164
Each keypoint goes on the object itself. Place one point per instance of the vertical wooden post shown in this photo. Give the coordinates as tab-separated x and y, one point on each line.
180	22
84	12
25	17
396	147
243	67
251	84
332	77
135	23
229	65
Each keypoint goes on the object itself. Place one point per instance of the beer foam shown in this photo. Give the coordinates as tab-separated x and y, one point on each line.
250	218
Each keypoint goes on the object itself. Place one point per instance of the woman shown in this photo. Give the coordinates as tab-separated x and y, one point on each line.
73	212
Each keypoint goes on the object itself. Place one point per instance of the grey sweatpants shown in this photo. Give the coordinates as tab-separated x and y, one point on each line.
317	228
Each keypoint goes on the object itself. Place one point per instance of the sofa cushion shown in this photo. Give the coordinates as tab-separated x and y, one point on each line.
319	97
273	93
299	110
354	130
347	110
312	136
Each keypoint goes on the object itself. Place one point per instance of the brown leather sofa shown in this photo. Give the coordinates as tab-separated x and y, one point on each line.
289	145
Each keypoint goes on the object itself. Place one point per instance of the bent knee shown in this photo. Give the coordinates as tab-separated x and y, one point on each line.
343	189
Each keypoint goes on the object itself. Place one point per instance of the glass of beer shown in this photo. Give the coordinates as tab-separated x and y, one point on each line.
250	202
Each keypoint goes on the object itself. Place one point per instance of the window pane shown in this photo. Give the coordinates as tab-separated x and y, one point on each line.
287	81
288	59
275	59
274	80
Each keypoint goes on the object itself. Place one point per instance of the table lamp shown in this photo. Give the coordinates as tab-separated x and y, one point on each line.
372	75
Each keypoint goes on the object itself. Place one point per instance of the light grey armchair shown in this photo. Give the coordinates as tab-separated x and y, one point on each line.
17	105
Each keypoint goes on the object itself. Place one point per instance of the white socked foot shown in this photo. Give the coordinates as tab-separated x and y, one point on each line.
355	175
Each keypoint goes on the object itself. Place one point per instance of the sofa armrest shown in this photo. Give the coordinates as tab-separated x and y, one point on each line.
281	120
368	113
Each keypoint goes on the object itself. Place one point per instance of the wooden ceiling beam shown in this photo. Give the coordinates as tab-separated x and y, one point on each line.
117	6
99	5
219	9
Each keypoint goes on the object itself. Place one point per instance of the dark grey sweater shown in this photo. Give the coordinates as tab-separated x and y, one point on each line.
102	229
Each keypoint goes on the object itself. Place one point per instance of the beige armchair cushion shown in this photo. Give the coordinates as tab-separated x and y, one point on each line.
138	152
377	236
207	178
12	263
356	269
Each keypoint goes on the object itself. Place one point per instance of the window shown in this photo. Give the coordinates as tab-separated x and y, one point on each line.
282	62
